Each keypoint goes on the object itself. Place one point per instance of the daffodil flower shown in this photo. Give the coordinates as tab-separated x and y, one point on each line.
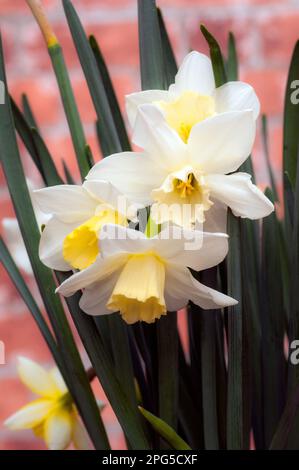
193	97
143	277
188	182
70	238
53	416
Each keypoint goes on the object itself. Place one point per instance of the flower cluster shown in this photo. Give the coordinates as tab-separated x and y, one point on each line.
193	138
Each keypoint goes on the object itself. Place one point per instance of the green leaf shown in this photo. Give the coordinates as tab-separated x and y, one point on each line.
70	107
73	370
286	422
167	342
28	113
273	322
235	431
216	57
111	96
165	431
168	55
150	47
127	415
291	121
68	177
232	60
265	139
48	167
91	72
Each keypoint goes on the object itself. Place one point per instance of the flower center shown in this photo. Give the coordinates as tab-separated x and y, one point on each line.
186	111
139	291
186	188
81	246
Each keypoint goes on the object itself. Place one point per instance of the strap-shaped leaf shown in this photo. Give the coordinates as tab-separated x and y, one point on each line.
216	57
165	431
111	96
291	119
73	370
94	81
150	47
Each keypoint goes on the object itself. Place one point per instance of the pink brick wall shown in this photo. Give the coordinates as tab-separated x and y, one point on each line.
266	31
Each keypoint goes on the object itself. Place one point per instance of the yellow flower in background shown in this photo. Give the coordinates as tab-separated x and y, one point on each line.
52	416
143	277
194	97
70	238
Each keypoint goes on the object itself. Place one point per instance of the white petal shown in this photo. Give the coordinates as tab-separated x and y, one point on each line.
216	218
94	298
30	415
109	194
69	203
58	379
134	100
51	243
180	282
164	145
80	437
195	74
244	198
36	378
100	269
236	96
58	430
220	144
115	239
14	241
180	246
132	173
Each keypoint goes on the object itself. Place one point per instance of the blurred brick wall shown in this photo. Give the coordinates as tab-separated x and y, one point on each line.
266	31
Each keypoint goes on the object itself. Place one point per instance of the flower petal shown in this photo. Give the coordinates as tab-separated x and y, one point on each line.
36	378
163	144
110	195
58	379
134	100
244	198
30	415
221	144
58	429
94	298
51	243
80	437
181	283
132	173
236	96
115	239
195	74
69	203
100	269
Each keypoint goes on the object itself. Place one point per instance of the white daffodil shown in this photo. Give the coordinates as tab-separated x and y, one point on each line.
70	238
53	416
13	237
143	278
193	97
188	182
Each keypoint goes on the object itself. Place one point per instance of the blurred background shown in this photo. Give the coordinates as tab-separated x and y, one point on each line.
266	32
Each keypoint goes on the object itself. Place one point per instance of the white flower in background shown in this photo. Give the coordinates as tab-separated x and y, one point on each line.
70	238
193	97
186	182
143	278
13	237
53	416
